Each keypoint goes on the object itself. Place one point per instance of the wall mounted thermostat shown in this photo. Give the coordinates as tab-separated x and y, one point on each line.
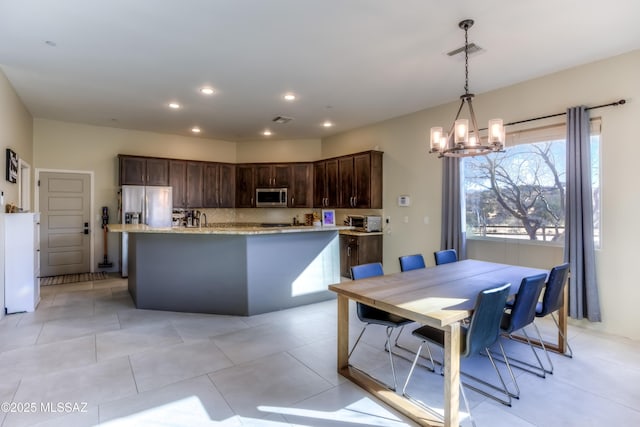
404	201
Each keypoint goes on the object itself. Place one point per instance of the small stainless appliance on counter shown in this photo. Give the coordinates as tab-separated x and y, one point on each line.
143	205
366	223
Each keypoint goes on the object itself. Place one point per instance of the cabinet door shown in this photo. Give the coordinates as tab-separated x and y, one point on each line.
361	181
226	186
263	176
210	195
178	182
319	184
348	254
333	191
245	186
194	184
132	170
157	172
369	249
345	169
301	186
281	175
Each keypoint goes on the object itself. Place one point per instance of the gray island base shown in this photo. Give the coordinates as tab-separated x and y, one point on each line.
236	274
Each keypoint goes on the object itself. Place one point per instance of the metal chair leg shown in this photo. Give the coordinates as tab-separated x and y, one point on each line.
387	344
566	340
546	353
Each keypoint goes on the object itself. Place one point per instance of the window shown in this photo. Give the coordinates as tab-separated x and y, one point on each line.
520	193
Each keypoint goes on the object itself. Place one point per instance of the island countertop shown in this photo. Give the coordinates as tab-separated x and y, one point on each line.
224	228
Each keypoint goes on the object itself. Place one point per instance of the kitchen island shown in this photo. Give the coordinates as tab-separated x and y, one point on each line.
237	269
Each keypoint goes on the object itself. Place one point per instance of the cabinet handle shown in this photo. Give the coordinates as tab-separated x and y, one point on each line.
252	201
293	201
348	250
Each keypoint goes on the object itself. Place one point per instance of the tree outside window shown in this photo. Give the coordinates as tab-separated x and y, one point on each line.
520	193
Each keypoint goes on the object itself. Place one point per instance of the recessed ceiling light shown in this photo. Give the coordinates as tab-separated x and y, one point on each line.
207	90
195	129
327	124
289	96
174	105
267	132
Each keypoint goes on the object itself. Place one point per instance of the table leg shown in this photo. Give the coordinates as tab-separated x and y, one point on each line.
451	374
343	332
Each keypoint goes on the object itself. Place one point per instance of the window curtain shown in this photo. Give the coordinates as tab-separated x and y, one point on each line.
579	247
453	233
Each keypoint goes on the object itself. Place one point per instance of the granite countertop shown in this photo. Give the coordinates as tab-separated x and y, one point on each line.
225	228
352	232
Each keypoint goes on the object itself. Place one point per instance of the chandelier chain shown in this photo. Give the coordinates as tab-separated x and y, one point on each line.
466	61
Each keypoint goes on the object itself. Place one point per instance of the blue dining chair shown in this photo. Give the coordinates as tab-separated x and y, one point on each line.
445	256
552	301
520	314
411	262
481	333
374	316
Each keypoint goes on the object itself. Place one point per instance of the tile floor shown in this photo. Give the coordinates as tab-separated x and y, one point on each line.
88	357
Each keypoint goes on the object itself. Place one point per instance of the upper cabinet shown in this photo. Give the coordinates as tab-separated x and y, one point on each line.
219	185
325	184
245	186
135	170
187	180
358	183
301	186
272	175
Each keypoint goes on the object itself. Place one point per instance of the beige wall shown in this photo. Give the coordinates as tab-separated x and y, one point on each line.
293	150
16	132
409	169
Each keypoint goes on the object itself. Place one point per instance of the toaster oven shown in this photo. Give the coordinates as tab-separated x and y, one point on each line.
366	223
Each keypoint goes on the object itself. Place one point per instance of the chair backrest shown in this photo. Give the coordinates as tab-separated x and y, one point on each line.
363	271
411	262
553	295
446	256
484	327
523	311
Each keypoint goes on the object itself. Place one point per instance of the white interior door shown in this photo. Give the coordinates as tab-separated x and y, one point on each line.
65	223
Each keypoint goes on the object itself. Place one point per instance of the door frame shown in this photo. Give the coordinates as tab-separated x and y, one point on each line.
92	216
24	185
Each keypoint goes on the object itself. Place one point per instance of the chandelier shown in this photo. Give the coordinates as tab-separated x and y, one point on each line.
461	141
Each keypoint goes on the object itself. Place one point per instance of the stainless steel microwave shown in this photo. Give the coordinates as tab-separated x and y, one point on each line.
271	197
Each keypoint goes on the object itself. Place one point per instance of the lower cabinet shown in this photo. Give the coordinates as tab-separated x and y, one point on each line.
356	249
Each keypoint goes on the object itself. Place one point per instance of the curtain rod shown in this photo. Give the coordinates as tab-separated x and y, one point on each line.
611	104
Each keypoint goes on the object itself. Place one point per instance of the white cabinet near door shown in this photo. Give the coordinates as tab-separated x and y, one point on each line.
21	262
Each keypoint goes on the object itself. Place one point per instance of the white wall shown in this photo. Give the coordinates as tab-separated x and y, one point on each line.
409	169
16	132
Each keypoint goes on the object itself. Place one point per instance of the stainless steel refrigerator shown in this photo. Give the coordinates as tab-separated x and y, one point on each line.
143	205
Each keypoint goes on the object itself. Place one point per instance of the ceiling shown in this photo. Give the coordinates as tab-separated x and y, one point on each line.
118	63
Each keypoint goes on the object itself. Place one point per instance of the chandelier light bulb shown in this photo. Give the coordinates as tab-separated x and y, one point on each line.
435	140
461	131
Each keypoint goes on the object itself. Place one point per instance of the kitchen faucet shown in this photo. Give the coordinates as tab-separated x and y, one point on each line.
203	218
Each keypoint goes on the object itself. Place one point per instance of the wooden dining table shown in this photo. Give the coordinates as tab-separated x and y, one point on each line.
438	296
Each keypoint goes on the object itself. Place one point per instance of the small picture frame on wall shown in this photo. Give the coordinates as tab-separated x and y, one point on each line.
12	166
328	217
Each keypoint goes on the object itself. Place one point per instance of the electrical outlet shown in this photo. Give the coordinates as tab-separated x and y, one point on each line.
406	220
425	220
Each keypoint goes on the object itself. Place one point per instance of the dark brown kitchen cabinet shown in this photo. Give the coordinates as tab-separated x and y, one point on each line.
301	186
219	185
361	180
187	180
136	170
245	186
325	184
272	175
359	249
195	184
